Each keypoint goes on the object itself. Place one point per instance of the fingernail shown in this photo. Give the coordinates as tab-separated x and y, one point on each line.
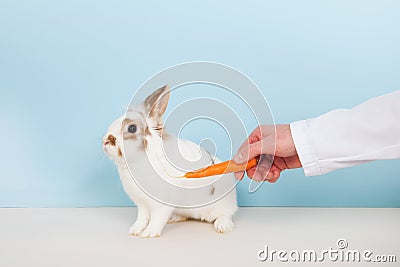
238	157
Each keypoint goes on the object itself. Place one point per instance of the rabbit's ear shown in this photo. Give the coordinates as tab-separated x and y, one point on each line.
157	102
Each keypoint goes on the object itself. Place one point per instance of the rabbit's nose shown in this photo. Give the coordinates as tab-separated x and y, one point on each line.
111	139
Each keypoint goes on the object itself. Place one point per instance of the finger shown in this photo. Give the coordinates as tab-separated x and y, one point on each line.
257	177
268	176
264	146
261	132
257	135
273	180
254	174
251	139
239	175
263	168
250	172
273	176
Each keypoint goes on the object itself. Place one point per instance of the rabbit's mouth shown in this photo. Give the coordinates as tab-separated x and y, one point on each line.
106	147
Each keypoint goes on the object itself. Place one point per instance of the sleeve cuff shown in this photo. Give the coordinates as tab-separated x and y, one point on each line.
305	148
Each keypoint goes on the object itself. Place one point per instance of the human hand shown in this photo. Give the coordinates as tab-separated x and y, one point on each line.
263	144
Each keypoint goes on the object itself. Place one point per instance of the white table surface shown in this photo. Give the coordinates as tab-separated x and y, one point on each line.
99	237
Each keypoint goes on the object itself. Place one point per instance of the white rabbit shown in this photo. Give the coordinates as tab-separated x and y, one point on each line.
141	131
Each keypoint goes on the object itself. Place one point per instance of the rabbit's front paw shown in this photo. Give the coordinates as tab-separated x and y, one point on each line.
137	227
224	224
158	219
147	233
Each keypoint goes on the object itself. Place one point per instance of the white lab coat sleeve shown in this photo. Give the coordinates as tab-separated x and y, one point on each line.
348	137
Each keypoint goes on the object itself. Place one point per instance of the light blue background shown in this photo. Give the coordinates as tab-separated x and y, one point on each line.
67	69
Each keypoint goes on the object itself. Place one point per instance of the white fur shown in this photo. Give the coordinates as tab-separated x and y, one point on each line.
152	214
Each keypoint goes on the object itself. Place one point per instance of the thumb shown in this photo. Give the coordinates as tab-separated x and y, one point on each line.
245	153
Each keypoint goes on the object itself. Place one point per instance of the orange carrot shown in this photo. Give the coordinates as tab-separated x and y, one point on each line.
221	168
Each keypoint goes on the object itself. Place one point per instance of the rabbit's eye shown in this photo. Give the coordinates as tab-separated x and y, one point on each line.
132	128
